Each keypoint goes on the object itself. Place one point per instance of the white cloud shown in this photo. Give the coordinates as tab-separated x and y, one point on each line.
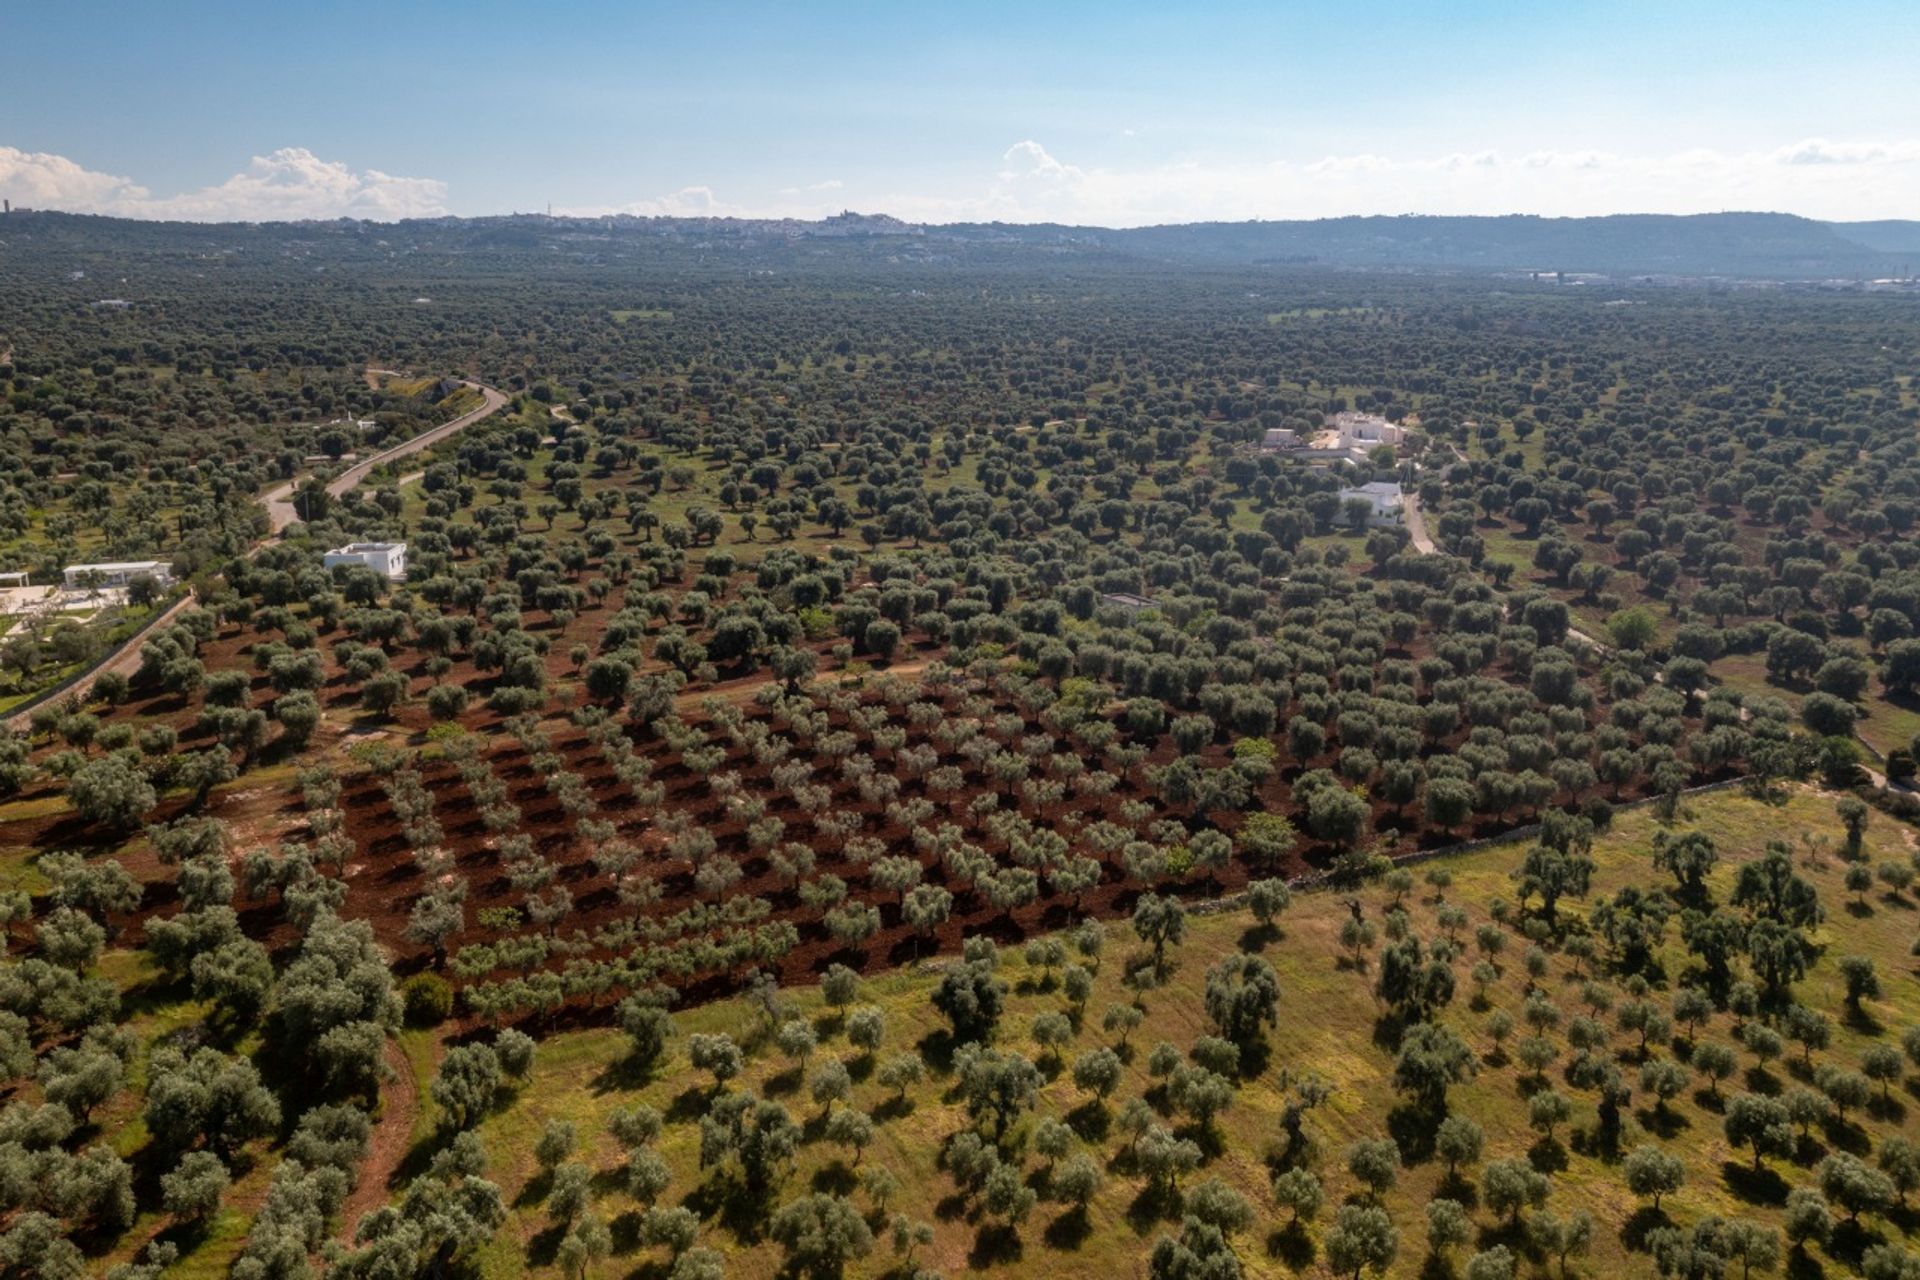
1815	177
812	188
1818	177
289	184
40	180
1030	160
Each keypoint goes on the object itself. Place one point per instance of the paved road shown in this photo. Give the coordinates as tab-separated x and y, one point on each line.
280	514
279	502
1417	524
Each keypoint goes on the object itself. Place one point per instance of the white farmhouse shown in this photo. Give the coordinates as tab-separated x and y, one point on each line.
388	559
1366	431
1389	505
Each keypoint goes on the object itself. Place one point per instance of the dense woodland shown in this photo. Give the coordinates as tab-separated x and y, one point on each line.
818	610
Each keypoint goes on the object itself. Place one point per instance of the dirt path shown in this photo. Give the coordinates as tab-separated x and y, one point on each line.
387	1147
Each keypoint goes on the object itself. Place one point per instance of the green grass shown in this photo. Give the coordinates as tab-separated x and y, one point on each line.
1326	1025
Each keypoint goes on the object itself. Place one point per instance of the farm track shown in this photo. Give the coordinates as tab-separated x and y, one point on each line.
387	1147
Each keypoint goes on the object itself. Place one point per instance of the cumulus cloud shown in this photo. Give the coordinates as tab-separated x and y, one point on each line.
1029	159
41	180
286	185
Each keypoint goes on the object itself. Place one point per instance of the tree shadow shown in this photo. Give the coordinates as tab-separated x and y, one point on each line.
1859	1018
1662	1122
1887	1109
1156	1203
689	1104
1413	1128
936	1049
1258	937
1847	1136
994	1244
1291	1246
1802	1265
892	1107
544	1246
783	1083
1755	1186
1850	1242
1091	1121
1548	1155
1640	1224
950	1208
420	1155
1068	1231
535	1189
834	1179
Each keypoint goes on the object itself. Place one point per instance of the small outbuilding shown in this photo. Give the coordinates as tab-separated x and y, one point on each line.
388	559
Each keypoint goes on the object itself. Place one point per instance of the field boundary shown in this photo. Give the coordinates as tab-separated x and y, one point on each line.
1315	880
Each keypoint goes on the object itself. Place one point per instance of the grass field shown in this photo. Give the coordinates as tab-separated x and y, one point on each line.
1327	1026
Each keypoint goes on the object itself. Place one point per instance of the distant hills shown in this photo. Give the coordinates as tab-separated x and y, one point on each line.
1766	245
1769	246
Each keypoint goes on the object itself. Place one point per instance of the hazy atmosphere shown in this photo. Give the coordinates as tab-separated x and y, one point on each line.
1107	114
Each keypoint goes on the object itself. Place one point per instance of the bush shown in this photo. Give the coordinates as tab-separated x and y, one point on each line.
427	998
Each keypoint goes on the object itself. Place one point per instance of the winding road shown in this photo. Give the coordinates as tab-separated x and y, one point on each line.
279	502
280	514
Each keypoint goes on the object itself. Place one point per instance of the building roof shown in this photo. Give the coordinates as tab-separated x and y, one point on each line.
1376	489
367	548
119	566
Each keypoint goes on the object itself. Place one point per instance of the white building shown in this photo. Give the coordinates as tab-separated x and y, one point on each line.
1389	505
115	573
388	559
1279	439
1366	430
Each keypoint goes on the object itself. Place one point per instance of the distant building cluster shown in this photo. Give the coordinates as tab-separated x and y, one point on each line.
1349	437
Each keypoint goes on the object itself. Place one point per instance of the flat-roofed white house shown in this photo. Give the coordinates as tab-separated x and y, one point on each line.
388	559
1279	439
1389	504
115	573
1366	430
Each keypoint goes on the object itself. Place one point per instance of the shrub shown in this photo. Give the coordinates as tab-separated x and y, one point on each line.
427	999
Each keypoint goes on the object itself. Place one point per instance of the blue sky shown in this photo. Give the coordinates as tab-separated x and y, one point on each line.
1117	113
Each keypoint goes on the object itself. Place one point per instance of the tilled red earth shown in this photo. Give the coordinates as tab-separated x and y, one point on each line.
383	882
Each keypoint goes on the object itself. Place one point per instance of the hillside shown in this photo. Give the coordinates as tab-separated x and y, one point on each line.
1741	245
1331	1028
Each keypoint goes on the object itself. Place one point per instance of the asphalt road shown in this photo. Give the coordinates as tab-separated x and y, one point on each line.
279	502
